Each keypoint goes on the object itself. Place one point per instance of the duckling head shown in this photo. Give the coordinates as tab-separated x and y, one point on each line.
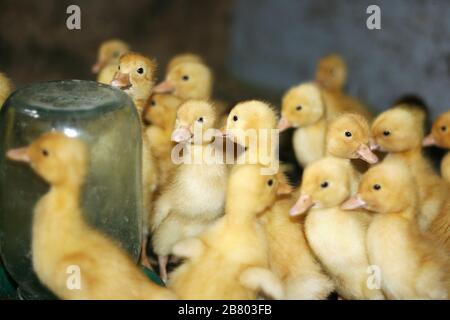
249	188
162	110
187	80
331	72
326	183
249	115
135	76
182	58
348	137
398	129
440	132
301	106
194	117
58	159
386	187
109	53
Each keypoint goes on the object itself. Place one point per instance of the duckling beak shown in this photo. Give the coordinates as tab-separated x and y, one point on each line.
353	203
366	154
181	134
19	154
284	124
164	87
302	205
97	67
121	81
429	141
373	145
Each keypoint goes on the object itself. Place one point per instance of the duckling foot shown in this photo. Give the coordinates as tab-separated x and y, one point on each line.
162	262
144	258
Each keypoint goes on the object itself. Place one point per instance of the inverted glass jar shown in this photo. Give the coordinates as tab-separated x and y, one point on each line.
107	121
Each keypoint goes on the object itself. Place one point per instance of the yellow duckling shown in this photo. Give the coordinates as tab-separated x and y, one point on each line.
290	257
135	76
411	265
161	113
108	59
229	260
399	131
182	58
331	73
63	241
337	237
251	124
6	87
195	195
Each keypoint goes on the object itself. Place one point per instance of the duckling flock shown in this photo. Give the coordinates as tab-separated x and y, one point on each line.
369	220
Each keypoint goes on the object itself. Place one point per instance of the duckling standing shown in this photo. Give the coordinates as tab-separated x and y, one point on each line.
6	87
229	260
399	131
195	196
136	78
412	266
61	239
108	59
337	237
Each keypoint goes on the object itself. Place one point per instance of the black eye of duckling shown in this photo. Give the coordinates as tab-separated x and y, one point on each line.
45	152
324	185
444	128
140	70
235	118
298	108
200	119
386	133
270	182
185	78
153	103
376	187
348	134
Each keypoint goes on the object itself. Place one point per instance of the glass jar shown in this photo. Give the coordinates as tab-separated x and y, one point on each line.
107	121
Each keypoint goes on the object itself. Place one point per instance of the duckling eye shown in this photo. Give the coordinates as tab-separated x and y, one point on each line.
348	134
444	128
119	67
376	187
324	184
45	152
140	70
270	182
298	108
200	119
235	118
386	133
153	103
185	78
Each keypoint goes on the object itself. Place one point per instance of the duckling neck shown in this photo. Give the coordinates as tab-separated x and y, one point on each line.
410	156
239	213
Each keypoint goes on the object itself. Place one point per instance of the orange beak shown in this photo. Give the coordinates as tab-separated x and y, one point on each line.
366	154
19	154
164	87
373	145
303	204
284	124
181	134
353	203
121	80
97	67
429	141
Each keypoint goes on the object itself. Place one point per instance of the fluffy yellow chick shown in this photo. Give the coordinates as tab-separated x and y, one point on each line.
348	137
108	59
161	113
136	78
6	87
411	266
440	136
251	124
290	257
303	108
399	131
182	58
229	260
336	236
331	72
195	195
61	239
